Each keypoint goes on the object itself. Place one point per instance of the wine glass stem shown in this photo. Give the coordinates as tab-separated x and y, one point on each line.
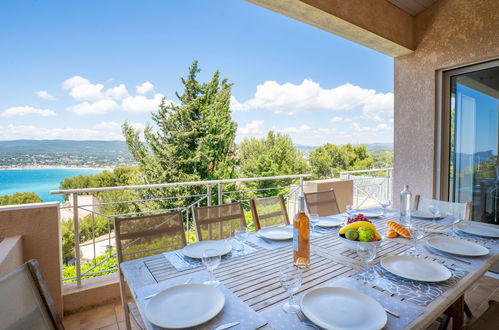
291	297
212	278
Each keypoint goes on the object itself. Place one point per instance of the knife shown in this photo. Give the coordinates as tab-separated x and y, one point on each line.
445	255
226	326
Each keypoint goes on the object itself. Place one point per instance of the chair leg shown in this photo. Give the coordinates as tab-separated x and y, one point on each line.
467	310
124	302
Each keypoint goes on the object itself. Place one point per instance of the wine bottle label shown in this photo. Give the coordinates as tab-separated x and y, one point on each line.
295	239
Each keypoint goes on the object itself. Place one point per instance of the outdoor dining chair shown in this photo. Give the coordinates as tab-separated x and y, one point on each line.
269	211
25	301
142	236
322	203
461	210
218	222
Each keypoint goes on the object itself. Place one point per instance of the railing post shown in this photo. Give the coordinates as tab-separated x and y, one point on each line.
76	240
301	185
220	202
208	194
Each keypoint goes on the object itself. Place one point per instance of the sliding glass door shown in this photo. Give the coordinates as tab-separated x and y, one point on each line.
473	140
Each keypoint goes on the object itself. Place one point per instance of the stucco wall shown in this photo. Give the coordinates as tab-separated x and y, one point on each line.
448	34
38	224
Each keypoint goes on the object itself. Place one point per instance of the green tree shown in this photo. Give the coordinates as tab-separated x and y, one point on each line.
383	159
329	160
194	139
272	155
20	198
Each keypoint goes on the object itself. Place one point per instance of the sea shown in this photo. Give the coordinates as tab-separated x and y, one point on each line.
40	180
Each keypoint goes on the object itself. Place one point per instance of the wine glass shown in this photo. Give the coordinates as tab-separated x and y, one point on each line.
211	260
290	278
417	232
241	235
314	219
385	204
434	210
367	253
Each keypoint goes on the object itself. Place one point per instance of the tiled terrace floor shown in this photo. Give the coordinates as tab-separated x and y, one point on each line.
111	316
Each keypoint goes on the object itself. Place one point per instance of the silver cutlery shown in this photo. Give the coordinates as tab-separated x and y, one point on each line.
226	326
305	321
392	313
382	275
445	255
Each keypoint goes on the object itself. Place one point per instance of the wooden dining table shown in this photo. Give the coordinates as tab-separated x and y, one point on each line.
254	278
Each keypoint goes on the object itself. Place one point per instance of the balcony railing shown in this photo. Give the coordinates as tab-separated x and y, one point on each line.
370	187
238	191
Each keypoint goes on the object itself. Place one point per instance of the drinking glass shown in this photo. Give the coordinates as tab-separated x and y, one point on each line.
367	253
417	232
290	278
434	210
385	204
211	260
314	219
241	235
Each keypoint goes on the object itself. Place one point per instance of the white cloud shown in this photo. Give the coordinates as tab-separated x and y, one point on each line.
118	93
26	110
87	92
145	88
253	128
289	130
290	98
45	95
73	82
337	119
96	108
15	132
141	104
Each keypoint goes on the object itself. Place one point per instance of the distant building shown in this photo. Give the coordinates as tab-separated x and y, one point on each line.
102	246
86	205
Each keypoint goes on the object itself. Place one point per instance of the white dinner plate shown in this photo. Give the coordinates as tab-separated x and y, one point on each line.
458	247
281	233
341	308
414	268
478	229
184	306
329	222
425	215
196	250
371	214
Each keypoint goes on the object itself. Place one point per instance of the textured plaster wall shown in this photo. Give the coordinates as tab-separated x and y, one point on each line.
448	34
38	224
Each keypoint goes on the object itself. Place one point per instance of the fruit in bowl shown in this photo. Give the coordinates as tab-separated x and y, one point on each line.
359	217
359	232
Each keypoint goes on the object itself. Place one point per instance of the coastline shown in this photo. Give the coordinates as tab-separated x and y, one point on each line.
56	167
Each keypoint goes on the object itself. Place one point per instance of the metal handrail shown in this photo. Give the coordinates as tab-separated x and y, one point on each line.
207	196
367	171
175	184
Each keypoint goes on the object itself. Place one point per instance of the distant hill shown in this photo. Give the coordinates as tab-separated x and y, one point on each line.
53	146
28	153
373	148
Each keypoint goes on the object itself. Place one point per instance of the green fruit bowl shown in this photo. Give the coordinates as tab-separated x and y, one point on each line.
352	245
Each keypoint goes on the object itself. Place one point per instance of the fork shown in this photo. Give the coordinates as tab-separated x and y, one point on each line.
304	320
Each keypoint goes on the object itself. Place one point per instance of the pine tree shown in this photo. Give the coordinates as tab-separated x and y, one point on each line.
191	141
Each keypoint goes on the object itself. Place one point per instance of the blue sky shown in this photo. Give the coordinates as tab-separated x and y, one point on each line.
79	69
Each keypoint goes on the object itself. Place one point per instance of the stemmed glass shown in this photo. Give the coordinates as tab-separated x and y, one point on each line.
291	278
367	253
417	233
314	219
385	204
350	210
434	210
242	235
211	260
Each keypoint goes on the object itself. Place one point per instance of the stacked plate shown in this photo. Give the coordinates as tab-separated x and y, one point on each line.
329	222
458	247
281	233
417	269
341	308
478	229
185	306
425	215
196	250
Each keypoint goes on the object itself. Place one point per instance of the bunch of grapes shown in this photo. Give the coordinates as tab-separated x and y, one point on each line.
359	217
